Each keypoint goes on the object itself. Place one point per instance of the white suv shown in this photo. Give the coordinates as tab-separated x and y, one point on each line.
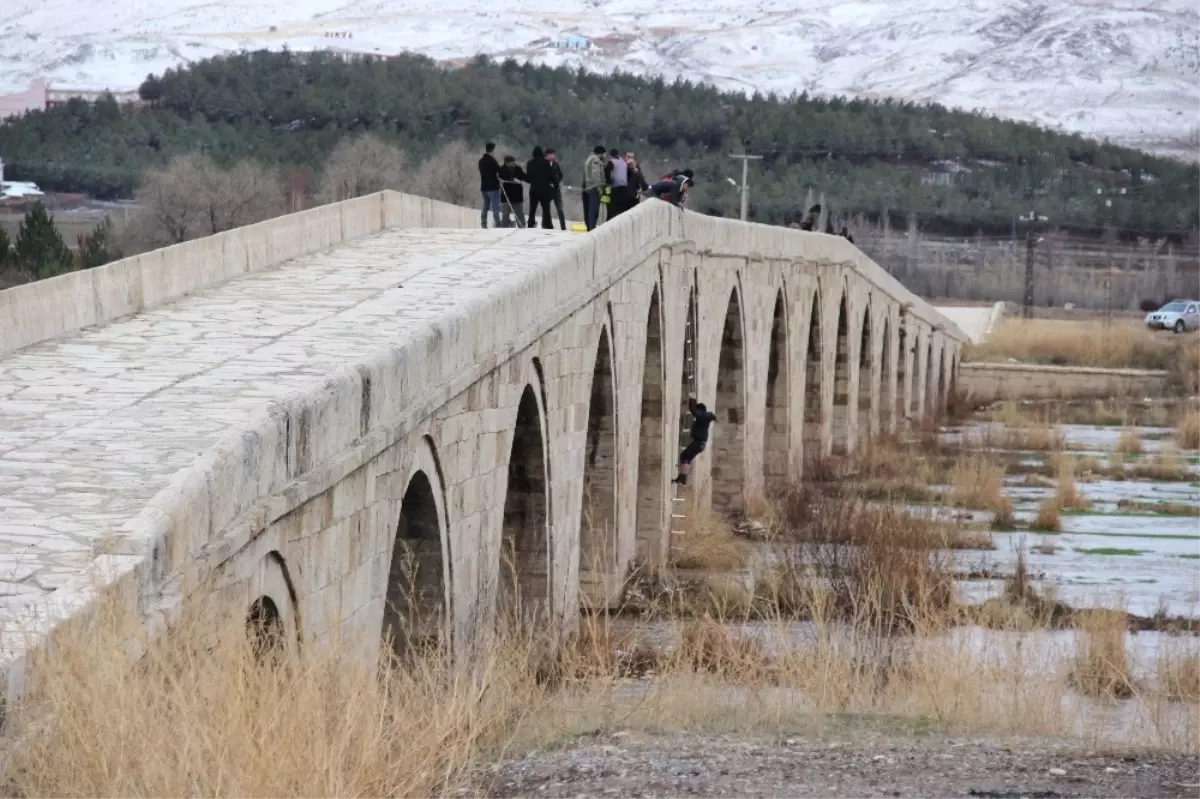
1177	315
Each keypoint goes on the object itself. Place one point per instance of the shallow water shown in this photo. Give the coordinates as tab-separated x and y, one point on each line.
1107	555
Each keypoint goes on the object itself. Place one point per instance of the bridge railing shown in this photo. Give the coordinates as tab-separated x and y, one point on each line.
46	309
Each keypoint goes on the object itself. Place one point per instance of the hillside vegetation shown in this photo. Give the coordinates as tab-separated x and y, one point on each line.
868	157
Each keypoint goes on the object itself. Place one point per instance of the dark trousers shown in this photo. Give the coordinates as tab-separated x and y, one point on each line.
591	207
618	202
558	206
691	451
540	201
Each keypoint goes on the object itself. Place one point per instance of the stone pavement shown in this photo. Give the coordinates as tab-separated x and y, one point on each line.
93	425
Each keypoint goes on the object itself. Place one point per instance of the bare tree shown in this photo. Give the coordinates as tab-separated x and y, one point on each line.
194	197
451	174
362	165
170	201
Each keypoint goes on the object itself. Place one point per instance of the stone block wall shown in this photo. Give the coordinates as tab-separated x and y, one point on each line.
307	494
988	382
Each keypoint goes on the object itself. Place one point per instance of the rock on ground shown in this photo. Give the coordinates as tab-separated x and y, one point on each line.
693	764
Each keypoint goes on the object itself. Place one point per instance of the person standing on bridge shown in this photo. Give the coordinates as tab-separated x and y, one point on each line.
511	186
541	188
593	183
556	186
702	417
489	185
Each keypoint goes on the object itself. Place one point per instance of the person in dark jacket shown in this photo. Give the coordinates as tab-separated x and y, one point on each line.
702	417
814	216
637	181
556	187
541	187
673	190
513	191
489	185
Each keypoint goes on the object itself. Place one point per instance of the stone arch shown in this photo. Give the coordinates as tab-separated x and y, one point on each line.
264	626
728	442
414	611
903	368
952	380
272	619
598	511
841	381
939	405
887	380
866	390
775	419
929	407
524	540
813	374
650	490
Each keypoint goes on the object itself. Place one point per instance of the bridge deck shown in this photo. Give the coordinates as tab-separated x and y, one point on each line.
92	426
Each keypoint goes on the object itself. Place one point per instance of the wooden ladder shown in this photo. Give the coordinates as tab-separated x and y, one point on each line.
681	494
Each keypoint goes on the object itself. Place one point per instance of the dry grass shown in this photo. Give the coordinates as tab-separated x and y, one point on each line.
1047	437
1066	491
710	545
1004	517
1077	343
1116	466
882	563
1166	465
1045	547
1129	442
1187	435
1049	516
199	714
1101	665
977	482
1177	671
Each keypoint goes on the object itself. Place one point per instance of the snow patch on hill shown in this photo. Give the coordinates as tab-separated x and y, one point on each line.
1129	71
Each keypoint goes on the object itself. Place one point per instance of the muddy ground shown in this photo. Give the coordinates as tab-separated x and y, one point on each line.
860	764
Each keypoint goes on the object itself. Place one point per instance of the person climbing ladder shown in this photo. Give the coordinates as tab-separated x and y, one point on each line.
702	417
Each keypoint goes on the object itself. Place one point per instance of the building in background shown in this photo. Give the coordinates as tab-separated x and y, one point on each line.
32	99
42	95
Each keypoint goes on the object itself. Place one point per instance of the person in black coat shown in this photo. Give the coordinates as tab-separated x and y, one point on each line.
702	418
512	190
557	171
637	181
489	185
541	187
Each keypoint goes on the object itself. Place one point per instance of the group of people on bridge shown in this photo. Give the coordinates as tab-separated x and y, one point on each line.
611	181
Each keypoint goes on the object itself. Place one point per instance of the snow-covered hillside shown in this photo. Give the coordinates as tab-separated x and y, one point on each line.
1127	70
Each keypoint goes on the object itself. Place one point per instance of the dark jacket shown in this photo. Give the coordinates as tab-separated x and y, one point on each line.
556	171
539	175
637	181
669	190
512	177
703	418
489	167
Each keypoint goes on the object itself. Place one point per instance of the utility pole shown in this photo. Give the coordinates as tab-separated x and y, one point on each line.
1030	243
745	187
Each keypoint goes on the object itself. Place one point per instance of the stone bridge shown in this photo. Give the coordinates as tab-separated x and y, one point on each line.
374	418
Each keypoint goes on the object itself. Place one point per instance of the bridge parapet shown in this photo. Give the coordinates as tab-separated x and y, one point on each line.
261	465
